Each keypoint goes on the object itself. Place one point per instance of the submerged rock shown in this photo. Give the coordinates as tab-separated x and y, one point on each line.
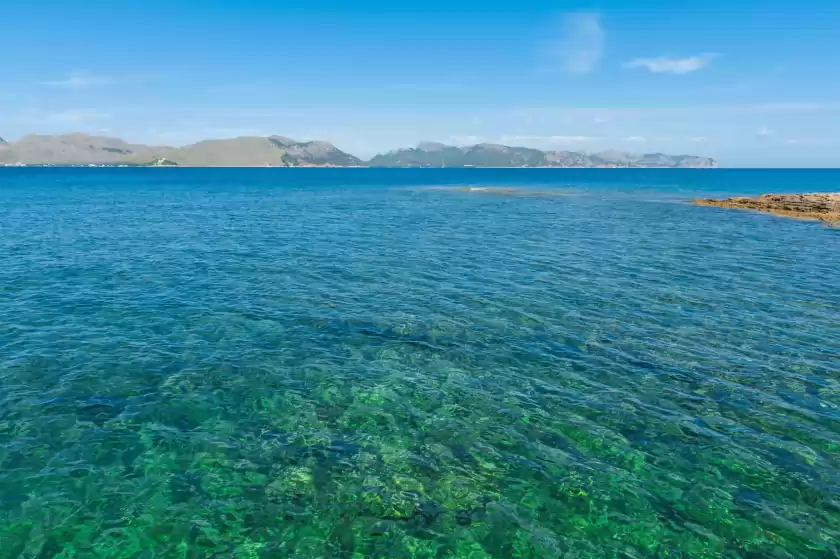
822	207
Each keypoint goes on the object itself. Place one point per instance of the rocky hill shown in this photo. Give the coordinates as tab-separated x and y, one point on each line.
493	155
481	155
277	151
73	149
81	149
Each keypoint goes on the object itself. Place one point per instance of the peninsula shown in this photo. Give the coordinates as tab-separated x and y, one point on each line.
823	206
279	151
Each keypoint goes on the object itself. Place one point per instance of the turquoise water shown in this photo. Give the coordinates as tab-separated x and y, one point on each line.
345	363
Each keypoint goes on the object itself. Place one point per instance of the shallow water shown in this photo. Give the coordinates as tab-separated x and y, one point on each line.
346	363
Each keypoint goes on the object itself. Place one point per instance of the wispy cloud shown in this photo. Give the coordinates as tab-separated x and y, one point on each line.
736	87
80	80
548	139
765	131
699	139
581	46
636	139
86	80
76	115
234	132
64	117
521	140
792	107
465	140
678	66
548	115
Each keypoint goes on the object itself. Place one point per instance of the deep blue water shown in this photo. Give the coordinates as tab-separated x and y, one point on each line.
348	363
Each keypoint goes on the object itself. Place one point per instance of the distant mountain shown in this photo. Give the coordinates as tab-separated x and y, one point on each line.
277	151
493	155
481	155
618	156
81	149
73	149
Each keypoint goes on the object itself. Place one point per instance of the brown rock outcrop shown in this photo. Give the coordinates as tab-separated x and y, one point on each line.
823	206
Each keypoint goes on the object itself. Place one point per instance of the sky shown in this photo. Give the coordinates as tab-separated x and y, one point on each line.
749	83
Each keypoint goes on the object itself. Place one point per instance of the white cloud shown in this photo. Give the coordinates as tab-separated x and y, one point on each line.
699	139
80	80
792	107
75	116
85	80
571	115
234	132
582	44
764	131
521	140
465	140
636	139
68	116
549	139
665	65
600	120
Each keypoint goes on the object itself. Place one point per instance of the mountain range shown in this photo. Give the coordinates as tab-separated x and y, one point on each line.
494	155
278	151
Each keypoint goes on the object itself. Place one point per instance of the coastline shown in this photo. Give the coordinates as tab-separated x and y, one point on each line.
150	166
823	207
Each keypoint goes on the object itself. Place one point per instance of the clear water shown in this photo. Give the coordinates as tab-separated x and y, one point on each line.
342	363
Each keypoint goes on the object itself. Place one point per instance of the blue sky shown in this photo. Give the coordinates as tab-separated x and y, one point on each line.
750	83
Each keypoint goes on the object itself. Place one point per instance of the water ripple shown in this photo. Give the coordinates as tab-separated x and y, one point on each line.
228	365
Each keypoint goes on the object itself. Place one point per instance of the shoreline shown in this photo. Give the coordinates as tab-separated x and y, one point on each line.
124	166
823	207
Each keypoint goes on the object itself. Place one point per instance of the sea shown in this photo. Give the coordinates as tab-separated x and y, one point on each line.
408	363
